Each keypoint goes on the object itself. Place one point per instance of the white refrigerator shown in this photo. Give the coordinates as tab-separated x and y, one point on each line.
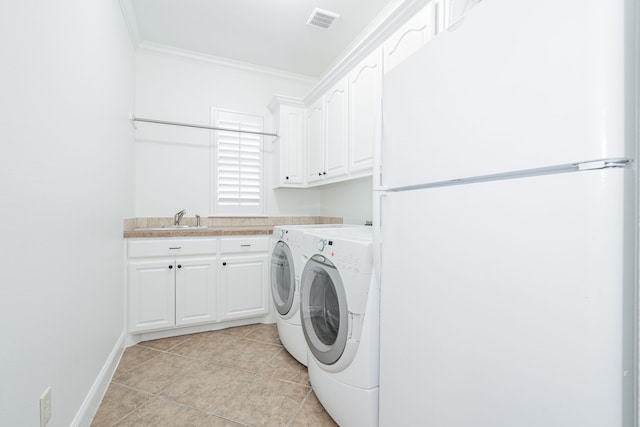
506	227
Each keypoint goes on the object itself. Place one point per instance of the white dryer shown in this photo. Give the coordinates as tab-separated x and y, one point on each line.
339	305
286	267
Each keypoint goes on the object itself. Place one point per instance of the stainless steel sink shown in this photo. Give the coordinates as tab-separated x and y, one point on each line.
172	227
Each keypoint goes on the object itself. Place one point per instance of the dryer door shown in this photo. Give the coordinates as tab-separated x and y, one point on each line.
323	308
283	279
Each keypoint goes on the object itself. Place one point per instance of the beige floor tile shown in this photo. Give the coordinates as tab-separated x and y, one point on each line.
240	331
235	377
265	333
265	402
285	367
162	412
312	414
118	402
165	344
202	346
209	387
158	373
245	354
214	421
134	356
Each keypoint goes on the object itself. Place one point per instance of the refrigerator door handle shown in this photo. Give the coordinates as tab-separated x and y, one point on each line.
603	164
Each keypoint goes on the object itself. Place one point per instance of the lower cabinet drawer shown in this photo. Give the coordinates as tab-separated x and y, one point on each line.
244	244
170	247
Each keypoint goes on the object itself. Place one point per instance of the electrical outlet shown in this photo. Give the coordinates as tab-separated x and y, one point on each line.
45	407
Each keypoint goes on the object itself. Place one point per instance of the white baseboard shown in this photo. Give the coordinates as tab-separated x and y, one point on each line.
92	402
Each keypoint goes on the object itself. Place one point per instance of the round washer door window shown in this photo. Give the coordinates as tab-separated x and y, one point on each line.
323	308
283	280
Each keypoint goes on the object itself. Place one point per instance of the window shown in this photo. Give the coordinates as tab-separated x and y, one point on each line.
238	171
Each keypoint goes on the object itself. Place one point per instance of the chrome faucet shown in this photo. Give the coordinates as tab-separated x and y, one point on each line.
177	217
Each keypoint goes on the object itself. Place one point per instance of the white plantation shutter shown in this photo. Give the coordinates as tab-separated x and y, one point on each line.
238	160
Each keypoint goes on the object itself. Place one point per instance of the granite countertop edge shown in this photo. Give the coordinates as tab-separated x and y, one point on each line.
203	232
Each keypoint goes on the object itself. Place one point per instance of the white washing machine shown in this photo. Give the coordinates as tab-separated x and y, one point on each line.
286	267
339	306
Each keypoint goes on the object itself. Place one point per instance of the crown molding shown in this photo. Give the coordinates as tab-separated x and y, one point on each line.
279	100
389	23
129	14
223	62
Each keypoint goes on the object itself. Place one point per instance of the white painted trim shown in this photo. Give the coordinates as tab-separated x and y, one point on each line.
134	339
126	6
223	62
278	100
388	24
91	403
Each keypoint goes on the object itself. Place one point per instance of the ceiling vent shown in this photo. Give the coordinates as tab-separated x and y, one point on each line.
322	18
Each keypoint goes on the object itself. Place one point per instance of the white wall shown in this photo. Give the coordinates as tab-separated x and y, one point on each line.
172	163
352	200
66	173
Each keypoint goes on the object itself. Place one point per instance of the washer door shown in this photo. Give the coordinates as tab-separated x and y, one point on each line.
323	309
283	279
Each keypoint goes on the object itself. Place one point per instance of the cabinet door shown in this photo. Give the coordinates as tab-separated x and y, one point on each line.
151	294
315	142
291	138
336	103
195	290
409	38
365	84
243	286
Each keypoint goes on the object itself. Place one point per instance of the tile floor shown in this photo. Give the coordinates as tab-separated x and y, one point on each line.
233	377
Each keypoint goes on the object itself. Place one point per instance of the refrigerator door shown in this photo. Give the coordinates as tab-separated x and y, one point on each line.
513	87
509	303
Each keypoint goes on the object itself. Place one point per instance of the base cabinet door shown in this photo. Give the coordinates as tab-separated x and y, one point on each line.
151	294
243	286
195	291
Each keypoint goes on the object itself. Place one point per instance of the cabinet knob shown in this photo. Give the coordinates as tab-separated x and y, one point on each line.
286	177
179	266
224	263
170	267
324	173
319	173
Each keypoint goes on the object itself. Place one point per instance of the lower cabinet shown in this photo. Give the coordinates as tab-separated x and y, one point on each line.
151	292
244	264
181	282
171	292
195	291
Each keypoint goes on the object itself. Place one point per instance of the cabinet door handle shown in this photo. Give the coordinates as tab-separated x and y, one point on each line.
179	266
170	267
245	246
224	263
177	247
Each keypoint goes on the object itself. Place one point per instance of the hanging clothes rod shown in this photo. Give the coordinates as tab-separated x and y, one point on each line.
189	125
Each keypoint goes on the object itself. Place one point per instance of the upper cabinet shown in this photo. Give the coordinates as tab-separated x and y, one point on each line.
365	84
332	139
327	137
315	141
410	37
335	105
288	148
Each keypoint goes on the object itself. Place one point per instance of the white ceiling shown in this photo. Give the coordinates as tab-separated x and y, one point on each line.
267	33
